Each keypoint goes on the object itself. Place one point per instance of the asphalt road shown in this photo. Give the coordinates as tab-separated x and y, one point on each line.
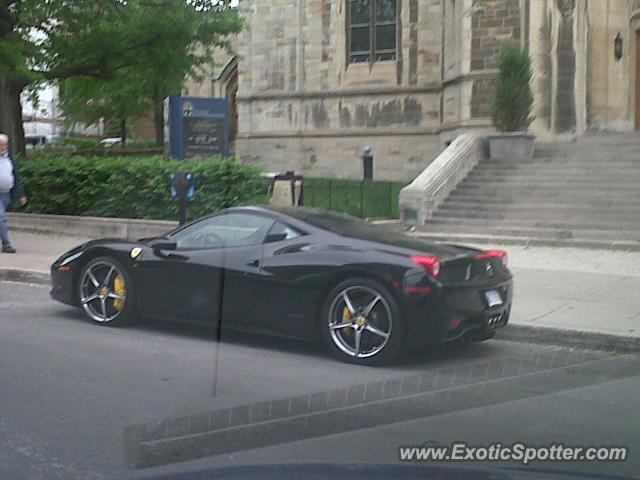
82	401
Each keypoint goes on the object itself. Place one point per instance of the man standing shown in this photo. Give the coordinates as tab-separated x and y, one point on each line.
10	189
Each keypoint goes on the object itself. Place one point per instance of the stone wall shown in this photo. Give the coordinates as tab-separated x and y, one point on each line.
611	83
578	84
303	106
494	23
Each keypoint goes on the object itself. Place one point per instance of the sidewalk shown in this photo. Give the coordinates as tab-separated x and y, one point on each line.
580	291
576	289
35	255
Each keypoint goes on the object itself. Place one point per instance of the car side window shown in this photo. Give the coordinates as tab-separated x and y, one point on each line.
227	230
279	232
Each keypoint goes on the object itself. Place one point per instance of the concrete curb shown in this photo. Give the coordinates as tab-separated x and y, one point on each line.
24	276
95	227
569	338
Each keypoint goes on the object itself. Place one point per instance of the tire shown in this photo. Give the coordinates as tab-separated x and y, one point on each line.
105	292
383	317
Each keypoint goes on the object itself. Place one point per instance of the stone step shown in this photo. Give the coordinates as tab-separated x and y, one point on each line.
531	184
563	223
569	175
569	149
580	209
496	194
587	160
573	148
567	180
612	219
578	173
611	204
585	192
527	231
614	138
491	224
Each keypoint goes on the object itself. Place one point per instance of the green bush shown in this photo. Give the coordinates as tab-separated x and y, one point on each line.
513	101
141	143
77	142
94	152
134	187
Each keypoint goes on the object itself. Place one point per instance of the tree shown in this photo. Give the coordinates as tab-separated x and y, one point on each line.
57	40
118	100
513	101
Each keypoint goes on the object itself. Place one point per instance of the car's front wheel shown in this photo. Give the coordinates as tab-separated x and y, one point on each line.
105	292
362	322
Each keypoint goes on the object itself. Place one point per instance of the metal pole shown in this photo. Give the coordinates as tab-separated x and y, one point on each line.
183	202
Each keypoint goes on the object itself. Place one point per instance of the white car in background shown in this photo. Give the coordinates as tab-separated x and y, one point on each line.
111	142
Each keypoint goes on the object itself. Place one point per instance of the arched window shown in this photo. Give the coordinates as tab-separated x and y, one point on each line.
372	30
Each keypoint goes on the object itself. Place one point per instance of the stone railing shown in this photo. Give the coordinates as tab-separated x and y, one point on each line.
90	226
424	195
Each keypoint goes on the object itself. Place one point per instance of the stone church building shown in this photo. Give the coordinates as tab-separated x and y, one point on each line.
320	80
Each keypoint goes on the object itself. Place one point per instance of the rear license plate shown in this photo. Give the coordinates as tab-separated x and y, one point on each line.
493	298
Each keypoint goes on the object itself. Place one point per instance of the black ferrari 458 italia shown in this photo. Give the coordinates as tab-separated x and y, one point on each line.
367	291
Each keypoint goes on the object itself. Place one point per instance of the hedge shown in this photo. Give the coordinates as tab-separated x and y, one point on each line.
49	152
133	187
89	143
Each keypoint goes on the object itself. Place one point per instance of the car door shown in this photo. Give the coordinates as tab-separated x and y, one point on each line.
286	295
210	270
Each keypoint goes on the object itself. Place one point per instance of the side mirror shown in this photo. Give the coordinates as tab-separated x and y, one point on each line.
275	237
163	245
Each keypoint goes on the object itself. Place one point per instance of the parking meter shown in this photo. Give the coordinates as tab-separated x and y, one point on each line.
183	188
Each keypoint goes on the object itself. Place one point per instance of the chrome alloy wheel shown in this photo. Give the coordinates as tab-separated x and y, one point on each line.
102	291
360	322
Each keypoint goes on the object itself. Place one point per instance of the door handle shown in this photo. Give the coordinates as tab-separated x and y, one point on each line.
254	263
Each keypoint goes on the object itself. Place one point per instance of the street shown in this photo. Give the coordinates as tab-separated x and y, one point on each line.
73	393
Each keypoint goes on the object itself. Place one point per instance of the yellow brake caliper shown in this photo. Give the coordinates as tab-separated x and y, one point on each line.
119	289
346	316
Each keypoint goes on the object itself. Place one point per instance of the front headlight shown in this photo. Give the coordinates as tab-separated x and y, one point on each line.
70	258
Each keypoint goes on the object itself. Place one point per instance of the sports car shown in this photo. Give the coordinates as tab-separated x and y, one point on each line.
369	292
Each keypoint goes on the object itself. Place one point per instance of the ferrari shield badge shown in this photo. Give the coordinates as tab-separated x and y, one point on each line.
135	252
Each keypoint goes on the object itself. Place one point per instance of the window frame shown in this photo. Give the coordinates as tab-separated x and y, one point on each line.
373	25
277	221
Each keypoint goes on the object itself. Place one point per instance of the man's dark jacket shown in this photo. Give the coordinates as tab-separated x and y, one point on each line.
17	192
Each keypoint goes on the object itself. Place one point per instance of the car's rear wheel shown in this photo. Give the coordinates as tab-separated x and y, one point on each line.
362	322
105	292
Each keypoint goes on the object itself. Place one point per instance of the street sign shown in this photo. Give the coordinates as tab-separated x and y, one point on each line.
199	126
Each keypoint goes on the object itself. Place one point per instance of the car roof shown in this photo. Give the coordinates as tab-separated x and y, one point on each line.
299	213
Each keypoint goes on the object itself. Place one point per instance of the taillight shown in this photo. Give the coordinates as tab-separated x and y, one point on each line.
501	254
432	264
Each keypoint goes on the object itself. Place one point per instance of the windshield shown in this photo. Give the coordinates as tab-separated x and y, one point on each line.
319	238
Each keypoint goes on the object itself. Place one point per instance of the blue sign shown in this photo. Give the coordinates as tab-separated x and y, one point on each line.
199	126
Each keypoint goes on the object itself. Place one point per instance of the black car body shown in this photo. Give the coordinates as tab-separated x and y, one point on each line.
272	270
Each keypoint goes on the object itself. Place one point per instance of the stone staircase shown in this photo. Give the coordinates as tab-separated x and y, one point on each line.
582	193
